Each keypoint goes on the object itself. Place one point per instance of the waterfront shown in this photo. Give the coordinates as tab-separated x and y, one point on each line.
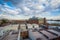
54	23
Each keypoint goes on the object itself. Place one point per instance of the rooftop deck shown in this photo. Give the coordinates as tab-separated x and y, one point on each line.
30	31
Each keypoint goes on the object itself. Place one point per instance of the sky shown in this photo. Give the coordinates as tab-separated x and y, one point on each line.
24	9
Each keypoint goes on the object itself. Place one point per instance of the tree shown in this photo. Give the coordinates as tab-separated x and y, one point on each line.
3	21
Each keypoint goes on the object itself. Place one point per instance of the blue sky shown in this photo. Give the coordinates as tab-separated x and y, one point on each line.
24	9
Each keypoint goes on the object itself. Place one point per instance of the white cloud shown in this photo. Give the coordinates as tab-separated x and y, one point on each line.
40	7
15	17
43	14
31	8
26	8
10	10
55	3
14	11
54	17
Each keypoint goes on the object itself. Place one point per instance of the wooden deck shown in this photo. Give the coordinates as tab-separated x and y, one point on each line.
10	37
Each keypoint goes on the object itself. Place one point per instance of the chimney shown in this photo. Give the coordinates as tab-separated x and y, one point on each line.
45	23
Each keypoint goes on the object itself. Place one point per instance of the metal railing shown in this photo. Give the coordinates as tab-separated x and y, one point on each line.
18	35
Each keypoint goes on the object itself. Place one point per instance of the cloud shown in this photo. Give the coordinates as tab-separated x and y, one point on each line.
55	3
15	17
40	7
26	9
14	11
7	9
14	1
54	17
29	8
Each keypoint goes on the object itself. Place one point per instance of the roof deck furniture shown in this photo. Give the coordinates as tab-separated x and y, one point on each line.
23	27
34	35
49	35
40	28
35	25
24	34
29	26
